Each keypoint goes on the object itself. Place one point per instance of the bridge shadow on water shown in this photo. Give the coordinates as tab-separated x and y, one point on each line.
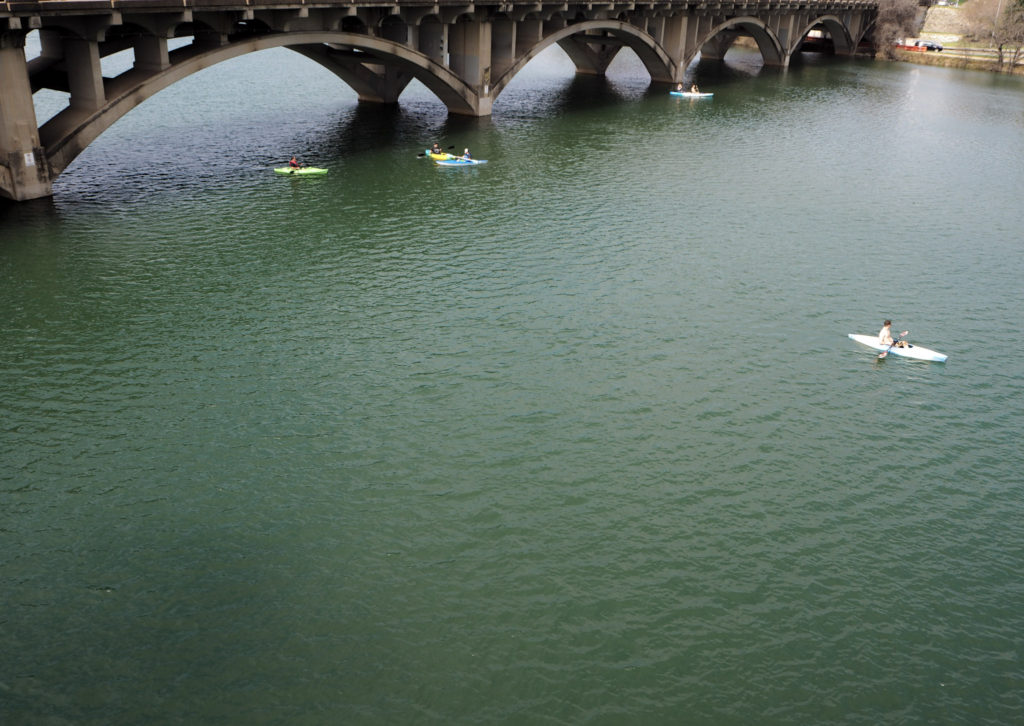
369	127
28	218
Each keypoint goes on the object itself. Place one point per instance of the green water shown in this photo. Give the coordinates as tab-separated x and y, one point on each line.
575	437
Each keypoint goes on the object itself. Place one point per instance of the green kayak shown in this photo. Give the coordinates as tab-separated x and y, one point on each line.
301	171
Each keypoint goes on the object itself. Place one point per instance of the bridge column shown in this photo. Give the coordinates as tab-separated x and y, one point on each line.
529	32
23	171
469	57
85	76
674	41
694	28
431	40
151	53
785	28
503	46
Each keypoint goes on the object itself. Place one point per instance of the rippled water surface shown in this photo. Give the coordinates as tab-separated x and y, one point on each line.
573	437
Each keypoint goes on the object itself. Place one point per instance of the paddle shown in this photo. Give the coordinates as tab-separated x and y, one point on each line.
886	351
421	155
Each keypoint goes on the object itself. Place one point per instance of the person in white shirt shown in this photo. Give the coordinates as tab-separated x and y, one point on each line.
885	336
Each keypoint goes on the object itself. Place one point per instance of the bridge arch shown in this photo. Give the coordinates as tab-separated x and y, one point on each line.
68	133
842	42
721	37
617	33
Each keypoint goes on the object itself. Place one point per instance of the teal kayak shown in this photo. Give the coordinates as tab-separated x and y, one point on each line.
301	171
459	161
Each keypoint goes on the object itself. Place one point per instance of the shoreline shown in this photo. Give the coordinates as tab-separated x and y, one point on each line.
946	25
948	59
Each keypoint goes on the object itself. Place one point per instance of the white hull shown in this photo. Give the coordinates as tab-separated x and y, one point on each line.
911	351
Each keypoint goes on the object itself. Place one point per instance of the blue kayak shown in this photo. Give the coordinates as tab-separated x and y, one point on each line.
459	161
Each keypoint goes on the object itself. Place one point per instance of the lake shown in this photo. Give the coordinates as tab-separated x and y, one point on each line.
573	437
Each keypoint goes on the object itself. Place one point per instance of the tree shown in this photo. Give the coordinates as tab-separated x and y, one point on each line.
1001	24
1009	34
896	19
981	17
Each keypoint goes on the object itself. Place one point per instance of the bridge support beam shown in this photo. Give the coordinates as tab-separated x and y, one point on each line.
23	172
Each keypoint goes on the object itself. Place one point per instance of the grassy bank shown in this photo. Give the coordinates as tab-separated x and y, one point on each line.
951	60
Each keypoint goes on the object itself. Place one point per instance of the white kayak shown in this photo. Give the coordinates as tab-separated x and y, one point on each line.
690	94
911	351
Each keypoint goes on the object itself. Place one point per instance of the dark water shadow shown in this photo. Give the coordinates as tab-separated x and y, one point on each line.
19	218
367	127
586	92
371	127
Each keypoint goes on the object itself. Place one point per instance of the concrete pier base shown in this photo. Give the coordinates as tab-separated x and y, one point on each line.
23	169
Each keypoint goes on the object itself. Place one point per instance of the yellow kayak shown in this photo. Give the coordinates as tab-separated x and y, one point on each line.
302	171
439	157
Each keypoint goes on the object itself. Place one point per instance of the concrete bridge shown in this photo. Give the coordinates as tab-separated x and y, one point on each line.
465	52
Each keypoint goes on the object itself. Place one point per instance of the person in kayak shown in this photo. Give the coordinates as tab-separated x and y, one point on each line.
679	88
436	149
465	155
885	336
694	89
294	163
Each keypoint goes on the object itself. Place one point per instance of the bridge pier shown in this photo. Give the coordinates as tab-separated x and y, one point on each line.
469	58
23	171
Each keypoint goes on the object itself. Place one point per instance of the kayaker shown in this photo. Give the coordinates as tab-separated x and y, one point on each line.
436	148
294	163
694	89
885	336
679	87
465	155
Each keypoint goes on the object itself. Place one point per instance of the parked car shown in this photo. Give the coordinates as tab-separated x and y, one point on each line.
928	45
